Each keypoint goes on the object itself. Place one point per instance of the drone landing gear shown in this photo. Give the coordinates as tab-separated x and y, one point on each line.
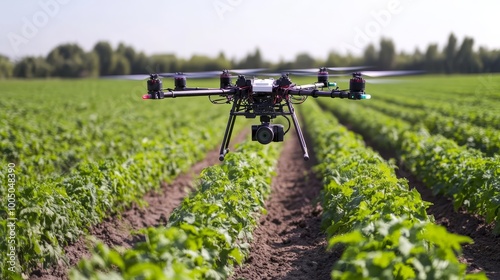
224	149
235	111
299	131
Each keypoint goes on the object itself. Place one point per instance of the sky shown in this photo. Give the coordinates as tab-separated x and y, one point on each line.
280	29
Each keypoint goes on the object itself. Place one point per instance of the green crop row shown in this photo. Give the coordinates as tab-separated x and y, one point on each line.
447	168
461	112
206	235
383	224
46	131
73	168
484	139
471	99
53	213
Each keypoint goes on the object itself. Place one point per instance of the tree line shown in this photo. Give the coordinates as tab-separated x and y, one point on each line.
70	60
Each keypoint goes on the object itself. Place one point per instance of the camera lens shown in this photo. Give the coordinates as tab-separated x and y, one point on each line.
264	135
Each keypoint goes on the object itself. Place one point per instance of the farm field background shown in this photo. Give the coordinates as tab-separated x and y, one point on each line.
85	150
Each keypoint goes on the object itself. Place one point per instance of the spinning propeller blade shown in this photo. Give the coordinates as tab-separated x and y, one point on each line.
338	69
195	75
136	77
212	74
375	74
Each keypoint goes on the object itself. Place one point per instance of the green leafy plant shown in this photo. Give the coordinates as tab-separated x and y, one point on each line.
206	235
383	224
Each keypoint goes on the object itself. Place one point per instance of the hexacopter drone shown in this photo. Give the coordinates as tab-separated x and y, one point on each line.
264	98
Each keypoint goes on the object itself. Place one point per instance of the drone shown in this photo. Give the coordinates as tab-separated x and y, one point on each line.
266	98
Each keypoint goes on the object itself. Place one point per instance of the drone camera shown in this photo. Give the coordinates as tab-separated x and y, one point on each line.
267	133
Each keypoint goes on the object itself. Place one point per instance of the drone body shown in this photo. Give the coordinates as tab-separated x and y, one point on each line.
264	98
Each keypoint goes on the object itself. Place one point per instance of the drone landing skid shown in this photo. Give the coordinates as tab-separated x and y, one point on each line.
265	117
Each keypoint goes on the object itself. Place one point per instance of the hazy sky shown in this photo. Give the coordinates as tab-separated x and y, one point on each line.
281	29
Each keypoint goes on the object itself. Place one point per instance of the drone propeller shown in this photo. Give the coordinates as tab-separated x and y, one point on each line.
376	74
337	69
372	74
212	74
128	77
315	74
195	75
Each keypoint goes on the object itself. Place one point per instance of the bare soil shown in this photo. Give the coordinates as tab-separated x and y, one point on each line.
289	243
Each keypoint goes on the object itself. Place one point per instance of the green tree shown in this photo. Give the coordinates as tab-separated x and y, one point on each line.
107	58
387	54
252	60
6	67
122	65
126	51
370	55
68	60
417	60
142	64
450	51
304	60
198	63
335	59
222	62
489	59
32	67
466	60
432	62
283	65
164	63
91	65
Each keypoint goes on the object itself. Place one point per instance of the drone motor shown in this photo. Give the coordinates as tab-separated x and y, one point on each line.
356	86
357	83
323	76
179	81
155	87
225	79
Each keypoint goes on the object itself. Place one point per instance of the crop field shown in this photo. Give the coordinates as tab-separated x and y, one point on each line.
99	184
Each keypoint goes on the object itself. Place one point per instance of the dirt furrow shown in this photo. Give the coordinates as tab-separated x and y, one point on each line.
289	244
115	231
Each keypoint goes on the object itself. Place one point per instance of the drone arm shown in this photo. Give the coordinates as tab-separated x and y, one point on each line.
311	86
197	92
333	94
